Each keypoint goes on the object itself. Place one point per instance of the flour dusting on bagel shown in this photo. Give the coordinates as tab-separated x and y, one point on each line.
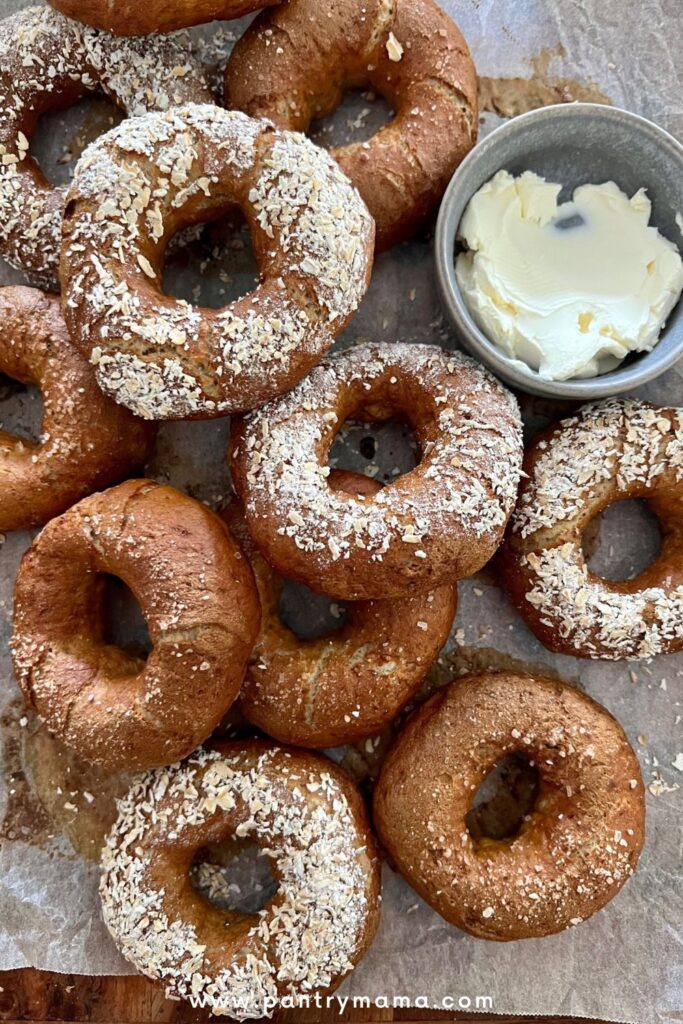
438	522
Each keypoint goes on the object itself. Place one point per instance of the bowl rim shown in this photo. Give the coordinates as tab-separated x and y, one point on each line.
615	382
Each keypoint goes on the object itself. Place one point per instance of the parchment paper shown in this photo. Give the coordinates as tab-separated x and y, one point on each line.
625	963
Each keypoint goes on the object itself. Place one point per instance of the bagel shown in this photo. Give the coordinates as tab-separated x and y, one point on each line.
344	687
313	241
572	853
294	64
432	526
307	817
87	441
46	63
609	452
128	18
197	594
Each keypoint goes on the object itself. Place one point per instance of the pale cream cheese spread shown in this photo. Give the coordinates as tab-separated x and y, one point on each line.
566	289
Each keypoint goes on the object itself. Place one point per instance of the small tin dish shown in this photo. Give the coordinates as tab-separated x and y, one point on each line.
572	144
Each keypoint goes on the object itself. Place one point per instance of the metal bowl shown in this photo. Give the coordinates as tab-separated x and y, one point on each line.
572	144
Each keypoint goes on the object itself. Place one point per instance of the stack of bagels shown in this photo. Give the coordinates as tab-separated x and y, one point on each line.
113	354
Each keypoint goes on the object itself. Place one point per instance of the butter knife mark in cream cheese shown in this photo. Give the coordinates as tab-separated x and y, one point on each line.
566	289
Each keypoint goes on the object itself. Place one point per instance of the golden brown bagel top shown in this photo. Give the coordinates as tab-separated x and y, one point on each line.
86	441
348	684
133	18
294	63
197	593
574	850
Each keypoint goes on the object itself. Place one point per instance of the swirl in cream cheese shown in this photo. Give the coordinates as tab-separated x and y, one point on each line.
566	289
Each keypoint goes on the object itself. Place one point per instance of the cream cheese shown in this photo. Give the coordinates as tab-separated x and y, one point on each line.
567	289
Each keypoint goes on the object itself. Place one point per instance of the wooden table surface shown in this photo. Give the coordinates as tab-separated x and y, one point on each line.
29	995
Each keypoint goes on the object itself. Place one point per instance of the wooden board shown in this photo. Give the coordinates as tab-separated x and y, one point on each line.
30	995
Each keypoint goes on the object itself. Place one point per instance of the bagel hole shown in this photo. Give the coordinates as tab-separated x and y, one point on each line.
360	115
124	623
503	800
21	410
234	875
211	264
60	136
383	451
623	541
309	615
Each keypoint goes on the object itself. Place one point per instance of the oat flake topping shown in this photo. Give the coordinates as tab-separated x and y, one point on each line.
165	358
470	470
302	940
43	56
622	438
603	622
613	449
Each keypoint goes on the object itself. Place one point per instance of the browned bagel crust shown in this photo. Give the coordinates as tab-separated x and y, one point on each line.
197	593
87	441
46	63
132	18
436	524
311	820
344	687
610	451
140	183
293	65
574	851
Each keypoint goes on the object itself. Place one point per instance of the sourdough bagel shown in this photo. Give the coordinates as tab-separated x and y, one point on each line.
309	819
432	526
128	18
293	65
572	853
313	240
343	687
87	441
46	63
197	593
609	452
